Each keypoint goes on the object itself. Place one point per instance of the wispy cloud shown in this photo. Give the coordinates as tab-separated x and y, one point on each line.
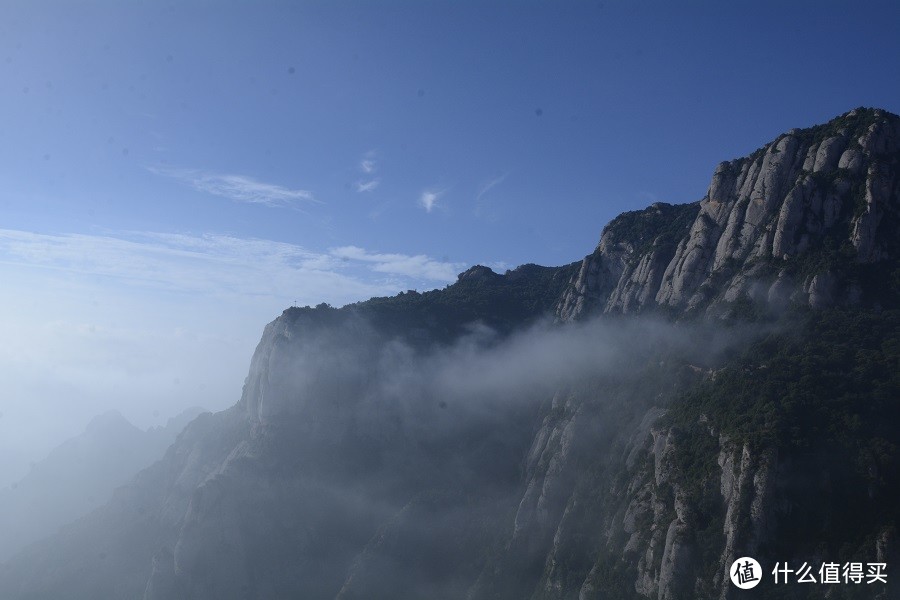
485	206
429	199
214	265
367	186
226	266
367	164
368	167
419	266
489	185
239	188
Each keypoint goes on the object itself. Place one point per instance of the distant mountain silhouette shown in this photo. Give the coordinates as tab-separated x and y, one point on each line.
79	475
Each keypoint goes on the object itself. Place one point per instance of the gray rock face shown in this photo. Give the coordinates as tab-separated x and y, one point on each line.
626	268
836	183
745	476
548	459
668	549
665	549
163	584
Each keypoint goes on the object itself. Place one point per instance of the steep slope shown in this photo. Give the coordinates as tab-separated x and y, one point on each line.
718	478
787	451
714	473
461	443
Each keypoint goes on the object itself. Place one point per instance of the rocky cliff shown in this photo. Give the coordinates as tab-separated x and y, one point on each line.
777	226
516	436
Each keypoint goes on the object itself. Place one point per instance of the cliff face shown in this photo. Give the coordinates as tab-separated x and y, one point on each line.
831	189
457	444
771	456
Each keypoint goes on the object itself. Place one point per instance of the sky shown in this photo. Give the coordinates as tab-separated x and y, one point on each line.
175	174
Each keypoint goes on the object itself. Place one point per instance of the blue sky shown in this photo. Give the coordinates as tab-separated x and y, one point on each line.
176	173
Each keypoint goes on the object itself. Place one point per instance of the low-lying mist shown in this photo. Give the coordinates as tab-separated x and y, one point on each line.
369	457
419	452
349	362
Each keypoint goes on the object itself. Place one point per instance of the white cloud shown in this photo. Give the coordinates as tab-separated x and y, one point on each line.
428	200
224	266
239	188
207	265
486	187
367	186
368	165
419	266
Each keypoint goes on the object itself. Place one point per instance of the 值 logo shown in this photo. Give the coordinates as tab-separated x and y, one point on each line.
745	573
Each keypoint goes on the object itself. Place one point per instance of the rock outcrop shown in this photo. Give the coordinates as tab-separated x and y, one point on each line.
774	225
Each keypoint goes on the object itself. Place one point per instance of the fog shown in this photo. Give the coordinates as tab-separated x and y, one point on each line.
151	324
481	366
76	350
418	450
332	371
386	456
376	422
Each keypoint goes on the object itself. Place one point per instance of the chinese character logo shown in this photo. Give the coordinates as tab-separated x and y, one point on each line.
830	573
745	573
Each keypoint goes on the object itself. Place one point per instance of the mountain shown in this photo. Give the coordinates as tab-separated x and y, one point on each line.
800	219
716	380
79	475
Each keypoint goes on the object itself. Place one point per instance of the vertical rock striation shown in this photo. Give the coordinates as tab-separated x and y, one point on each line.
772	226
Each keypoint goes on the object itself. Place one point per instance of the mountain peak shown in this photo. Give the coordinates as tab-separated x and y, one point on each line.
109	420
787	224
477	273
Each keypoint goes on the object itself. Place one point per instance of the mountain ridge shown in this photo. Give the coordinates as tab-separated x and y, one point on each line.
421	446
801	192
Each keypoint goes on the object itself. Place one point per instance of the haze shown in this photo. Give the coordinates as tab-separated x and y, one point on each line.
174	177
